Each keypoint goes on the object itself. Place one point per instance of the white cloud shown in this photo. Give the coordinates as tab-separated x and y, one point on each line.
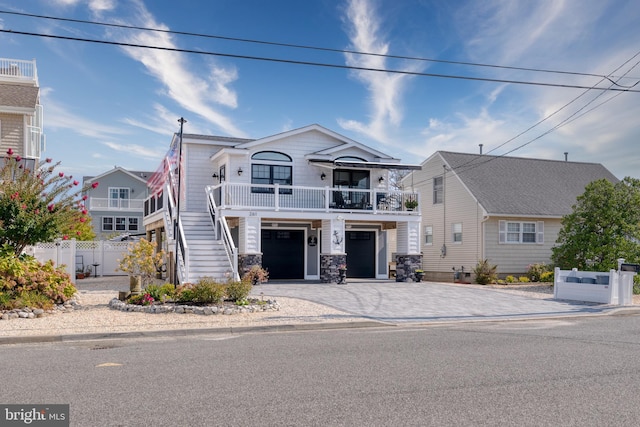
184	87
135	151
385	90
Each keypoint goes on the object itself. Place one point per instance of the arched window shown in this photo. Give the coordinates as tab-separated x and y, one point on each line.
271	167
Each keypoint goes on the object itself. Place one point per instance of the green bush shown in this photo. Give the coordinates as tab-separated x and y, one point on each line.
485	273
523	279
208	291
238	291
510	279
547	276
184	293
25	282
535	271
161	293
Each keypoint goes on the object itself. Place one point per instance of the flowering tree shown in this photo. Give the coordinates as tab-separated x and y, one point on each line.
37	206
142	260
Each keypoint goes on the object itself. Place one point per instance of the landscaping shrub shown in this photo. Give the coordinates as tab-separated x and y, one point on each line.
535	271
547	276
510	279
485	273
238	291
184	292
523	279
161	293
25	282
208	291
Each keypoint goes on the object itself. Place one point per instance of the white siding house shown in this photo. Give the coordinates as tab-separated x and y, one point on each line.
504	209
298	203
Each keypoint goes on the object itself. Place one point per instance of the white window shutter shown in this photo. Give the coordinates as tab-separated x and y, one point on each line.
540	232
502	227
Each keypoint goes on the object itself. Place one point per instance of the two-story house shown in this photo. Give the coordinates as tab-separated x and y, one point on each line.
20	111
504	209
299	204
116	204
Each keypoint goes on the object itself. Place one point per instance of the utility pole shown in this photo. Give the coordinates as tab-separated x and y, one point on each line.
176	232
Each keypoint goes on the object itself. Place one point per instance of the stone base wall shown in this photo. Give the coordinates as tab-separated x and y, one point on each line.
246	261
406	265
329	267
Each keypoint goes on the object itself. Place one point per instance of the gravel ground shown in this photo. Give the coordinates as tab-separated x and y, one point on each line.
95	316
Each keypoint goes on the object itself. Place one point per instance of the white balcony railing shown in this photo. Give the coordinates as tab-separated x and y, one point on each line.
18	70
104	204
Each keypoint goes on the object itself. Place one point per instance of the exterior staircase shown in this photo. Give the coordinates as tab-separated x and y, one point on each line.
207	256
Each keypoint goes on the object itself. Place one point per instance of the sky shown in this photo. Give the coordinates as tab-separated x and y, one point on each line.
450	75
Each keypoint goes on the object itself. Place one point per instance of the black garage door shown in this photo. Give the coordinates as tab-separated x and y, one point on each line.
361	254
283	253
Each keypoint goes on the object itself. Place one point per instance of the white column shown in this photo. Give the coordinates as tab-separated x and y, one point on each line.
408	238
249	235
333	236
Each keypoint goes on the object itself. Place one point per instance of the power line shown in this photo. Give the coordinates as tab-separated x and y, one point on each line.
316	64
309	47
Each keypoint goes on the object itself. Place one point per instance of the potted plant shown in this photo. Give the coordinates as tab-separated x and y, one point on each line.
419	275
79	273
256	275
411	204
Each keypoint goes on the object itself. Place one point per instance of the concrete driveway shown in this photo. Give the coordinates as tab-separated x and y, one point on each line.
396	302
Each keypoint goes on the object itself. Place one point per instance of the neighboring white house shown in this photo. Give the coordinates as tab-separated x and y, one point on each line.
504	209
20	111
116	204
299	203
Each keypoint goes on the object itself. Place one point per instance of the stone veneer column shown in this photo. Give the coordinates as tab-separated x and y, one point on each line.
408	256
246	261
333	244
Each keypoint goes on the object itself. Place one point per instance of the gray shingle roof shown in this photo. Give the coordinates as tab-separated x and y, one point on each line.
20	96
520	186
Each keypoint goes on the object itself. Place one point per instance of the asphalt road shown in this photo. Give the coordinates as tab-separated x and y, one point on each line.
563	372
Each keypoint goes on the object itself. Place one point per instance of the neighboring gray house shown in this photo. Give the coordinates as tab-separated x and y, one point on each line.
116	204
20	111
504	209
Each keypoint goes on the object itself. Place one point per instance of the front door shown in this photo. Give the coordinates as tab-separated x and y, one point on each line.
283	253
361	254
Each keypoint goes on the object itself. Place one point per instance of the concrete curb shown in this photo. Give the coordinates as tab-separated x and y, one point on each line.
35	339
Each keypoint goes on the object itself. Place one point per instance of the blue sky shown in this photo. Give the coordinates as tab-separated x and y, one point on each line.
109	105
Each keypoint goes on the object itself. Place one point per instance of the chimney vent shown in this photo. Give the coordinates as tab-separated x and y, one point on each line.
480	148
566	156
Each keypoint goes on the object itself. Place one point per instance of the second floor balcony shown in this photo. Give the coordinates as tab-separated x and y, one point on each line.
122	205
281	198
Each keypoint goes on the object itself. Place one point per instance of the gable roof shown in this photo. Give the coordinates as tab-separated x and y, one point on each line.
139	175
524	187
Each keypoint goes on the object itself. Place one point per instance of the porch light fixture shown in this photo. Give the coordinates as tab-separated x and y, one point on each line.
323	176
214	176
239	171
381	179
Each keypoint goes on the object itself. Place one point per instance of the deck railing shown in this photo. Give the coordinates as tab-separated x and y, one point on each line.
16	69
104	204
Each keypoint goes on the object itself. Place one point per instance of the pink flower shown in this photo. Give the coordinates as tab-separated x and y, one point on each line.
84	211
78	233
65	237
75	183
51	207
84	197
15	196
94	185
10	152
18	158
61	174
23	206
37	212
83	219
48	160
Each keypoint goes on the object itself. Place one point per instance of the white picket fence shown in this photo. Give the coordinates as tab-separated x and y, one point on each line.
102	257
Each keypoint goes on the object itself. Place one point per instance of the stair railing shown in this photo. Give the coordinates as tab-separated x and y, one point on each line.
222	232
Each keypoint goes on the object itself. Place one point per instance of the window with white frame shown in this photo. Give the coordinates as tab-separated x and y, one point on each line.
133	224
428	235
107	223
271	167
121	224
438	189
521	232
119	197
456	230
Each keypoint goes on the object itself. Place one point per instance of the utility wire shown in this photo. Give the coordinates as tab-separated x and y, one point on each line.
316	64
309	47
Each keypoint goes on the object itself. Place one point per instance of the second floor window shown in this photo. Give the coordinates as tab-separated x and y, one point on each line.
438	189
119	197
428	235
271	167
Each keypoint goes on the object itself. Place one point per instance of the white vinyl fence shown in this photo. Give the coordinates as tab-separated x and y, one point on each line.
100	257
